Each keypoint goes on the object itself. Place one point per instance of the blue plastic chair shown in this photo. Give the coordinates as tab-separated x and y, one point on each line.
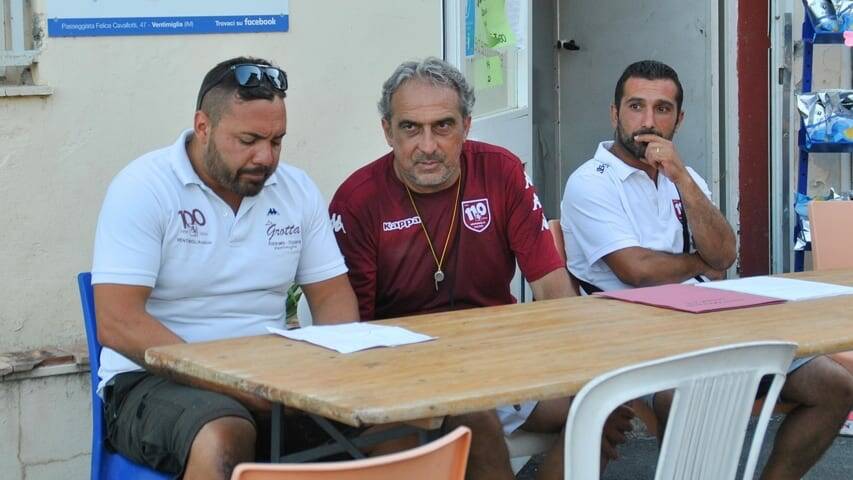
105	464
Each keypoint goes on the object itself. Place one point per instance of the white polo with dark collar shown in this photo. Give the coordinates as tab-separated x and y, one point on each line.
608	205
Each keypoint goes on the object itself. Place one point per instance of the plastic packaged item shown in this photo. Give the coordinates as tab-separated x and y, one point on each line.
844	13
822	13
827	116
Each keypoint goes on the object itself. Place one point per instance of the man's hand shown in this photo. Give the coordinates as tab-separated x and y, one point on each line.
715	274
662	154
617	424
707	270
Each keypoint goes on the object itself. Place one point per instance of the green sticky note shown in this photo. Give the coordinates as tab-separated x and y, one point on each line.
495	31
488	72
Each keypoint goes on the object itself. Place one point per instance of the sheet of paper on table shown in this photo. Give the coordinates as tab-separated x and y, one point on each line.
352	337
688	298
778	287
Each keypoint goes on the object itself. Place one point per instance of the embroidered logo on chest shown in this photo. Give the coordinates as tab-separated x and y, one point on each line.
194	229
679	209
283	237
476	214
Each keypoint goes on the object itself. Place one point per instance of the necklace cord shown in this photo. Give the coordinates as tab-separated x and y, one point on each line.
438	262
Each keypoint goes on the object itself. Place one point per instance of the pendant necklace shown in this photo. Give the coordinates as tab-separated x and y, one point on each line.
438	276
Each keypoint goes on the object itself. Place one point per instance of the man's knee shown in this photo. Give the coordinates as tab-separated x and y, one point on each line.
549	416
223	443
820	382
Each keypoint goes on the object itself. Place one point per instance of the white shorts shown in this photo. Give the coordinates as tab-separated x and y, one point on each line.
514	416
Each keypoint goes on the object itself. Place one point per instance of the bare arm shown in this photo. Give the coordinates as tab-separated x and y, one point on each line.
123	323
714	238
712	235
553	285
125	326
641	267
332	301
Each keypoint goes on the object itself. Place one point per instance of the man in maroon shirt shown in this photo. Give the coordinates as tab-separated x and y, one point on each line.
438	225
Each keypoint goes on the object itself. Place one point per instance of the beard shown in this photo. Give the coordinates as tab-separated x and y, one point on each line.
231	180
429	180
637	149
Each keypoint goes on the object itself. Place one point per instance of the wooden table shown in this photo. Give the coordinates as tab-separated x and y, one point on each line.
498	355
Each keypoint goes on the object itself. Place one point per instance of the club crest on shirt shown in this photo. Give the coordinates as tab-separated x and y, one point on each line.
476	214
679	209
194	231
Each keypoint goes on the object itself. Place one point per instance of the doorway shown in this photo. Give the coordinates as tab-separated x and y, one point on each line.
579	49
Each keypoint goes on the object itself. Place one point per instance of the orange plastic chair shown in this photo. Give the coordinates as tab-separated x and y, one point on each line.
442	459
831	225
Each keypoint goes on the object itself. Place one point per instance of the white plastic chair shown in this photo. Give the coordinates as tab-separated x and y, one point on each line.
714	393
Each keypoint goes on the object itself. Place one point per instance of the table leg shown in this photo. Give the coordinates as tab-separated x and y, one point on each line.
276	432
337	436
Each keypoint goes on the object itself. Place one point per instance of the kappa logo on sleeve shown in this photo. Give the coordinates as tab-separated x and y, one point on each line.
476	214
338	223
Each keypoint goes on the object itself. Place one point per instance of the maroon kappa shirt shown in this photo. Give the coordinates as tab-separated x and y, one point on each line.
499	219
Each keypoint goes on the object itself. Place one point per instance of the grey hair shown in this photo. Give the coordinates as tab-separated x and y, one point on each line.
433	70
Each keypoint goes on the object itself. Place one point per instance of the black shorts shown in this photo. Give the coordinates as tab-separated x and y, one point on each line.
153	421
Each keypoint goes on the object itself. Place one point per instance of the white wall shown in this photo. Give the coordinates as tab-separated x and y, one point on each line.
118	97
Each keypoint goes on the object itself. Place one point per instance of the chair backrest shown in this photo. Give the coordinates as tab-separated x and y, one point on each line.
559	242
831	226
105	465
714	393
442	459
87	301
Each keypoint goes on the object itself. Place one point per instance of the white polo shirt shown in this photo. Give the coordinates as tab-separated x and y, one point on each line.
213	274
609	205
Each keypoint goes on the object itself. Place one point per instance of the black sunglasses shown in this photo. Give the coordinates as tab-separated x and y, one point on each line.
250	75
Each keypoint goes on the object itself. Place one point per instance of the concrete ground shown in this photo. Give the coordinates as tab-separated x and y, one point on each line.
639	456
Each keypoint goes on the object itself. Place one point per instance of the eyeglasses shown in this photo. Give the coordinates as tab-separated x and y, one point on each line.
250	75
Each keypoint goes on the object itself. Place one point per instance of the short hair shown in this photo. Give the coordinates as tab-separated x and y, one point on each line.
220	88
434	71
648	70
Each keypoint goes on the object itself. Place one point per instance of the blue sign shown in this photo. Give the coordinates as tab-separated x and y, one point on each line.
93	18
470	26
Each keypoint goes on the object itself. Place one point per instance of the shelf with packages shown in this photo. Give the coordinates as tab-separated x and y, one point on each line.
812	37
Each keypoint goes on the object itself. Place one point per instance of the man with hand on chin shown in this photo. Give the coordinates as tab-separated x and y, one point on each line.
636	216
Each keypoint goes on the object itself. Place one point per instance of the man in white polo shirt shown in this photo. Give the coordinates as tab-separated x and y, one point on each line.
200	241
635	216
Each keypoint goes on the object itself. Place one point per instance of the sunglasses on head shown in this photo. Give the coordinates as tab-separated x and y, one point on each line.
250	75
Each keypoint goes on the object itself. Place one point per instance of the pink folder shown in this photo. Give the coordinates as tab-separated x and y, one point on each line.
689	298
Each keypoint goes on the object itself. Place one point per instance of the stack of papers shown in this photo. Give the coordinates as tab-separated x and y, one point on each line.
352	337
778	287
728	294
